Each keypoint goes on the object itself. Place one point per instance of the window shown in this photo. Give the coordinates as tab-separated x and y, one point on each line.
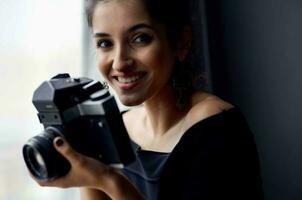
38	39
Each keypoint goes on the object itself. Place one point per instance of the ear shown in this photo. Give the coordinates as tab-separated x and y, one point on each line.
184	43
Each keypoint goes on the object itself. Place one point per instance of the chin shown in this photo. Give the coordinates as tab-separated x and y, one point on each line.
130	101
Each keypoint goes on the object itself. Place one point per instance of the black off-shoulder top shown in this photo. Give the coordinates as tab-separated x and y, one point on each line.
215	159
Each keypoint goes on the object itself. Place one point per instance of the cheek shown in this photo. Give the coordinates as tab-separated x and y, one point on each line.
103	66
158	58
163	62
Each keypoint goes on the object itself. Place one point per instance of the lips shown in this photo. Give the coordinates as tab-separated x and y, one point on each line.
129	81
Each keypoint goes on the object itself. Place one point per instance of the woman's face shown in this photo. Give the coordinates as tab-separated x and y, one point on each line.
133	53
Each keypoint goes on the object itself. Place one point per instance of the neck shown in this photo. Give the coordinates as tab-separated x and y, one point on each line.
162	114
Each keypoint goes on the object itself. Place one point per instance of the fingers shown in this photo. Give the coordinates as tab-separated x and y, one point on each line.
78	166
63	147
48	183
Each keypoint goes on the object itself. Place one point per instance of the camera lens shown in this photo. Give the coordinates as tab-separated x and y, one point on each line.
36	162
42	159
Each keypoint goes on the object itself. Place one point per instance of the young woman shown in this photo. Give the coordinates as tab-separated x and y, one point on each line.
189	144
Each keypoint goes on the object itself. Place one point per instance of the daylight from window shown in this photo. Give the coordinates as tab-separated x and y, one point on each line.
38	39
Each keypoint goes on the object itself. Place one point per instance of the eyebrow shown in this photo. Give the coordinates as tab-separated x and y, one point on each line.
131	29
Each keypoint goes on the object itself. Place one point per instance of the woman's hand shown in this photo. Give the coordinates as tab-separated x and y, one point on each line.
84	172
90	173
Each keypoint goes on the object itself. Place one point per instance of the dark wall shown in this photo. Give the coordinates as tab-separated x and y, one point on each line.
255	50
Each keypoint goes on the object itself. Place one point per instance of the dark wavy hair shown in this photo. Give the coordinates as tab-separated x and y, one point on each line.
188	75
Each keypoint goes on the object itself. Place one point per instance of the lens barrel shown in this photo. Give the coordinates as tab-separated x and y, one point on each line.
41	157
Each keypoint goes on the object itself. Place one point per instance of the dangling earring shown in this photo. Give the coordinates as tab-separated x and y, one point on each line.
105	85
179	84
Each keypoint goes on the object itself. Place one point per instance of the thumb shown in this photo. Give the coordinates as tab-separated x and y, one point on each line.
64	148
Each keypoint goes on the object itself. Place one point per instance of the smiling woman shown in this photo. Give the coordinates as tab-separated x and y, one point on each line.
188	143
35	44
136	48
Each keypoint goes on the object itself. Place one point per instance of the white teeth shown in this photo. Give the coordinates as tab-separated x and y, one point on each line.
128	80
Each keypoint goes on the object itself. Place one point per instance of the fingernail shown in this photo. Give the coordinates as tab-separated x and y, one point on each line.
59	142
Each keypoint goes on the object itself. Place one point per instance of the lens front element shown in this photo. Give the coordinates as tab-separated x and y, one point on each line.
41	157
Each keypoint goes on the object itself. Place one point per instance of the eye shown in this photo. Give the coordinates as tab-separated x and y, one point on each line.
103	43
143	38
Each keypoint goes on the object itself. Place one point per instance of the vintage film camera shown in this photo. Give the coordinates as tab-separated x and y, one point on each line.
86	115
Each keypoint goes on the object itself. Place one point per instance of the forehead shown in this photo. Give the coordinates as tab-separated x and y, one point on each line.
119	13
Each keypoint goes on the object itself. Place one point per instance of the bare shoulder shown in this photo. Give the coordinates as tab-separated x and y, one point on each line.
205	105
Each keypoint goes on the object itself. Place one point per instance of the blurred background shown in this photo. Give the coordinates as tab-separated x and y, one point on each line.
252	53
38	39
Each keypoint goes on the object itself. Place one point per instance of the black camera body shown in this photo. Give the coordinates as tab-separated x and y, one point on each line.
86	115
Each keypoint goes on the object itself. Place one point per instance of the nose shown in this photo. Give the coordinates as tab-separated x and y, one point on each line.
122	60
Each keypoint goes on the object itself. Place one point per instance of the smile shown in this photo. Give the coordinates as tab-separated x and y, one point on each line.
129	79
129	82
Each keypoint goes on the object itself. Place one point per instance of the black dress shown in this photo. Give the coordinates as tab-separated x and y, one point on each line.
215	159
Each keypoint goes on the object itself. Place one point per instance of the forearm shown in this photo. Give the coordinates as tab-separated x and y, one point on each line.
118	187
92	194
